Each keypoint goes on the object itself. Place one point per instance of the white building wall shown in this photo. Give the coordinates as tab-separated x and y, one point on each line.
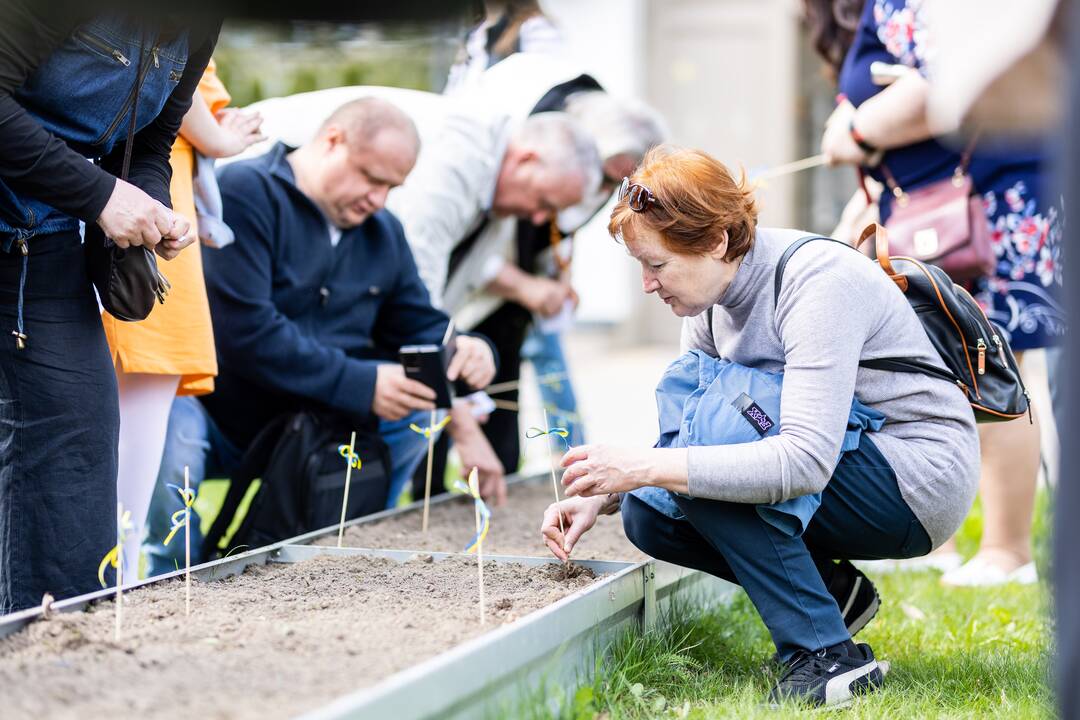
724	74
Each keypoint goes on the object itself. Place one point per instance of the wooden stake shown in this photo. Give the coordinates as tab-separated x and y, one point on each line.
474	488
555	483
348	478
430	455
187	543
550	378
119	570
789	168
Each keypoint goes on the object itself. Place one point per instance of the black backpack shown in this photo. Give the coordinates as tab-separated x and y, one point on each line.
977	358
302	482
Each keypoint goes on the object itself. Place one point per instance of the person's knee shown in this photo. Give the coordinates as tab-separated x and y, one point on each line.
644	528
187	437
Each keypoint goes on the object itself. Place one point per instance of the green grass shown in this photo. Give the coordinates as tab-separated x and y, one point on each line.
955	653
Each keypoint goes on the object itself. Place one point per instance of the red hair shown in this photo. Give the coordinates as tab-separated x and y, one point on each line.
697	200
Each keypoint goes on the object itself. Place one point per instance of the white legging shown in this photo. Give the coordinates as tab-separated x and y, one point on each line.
145	401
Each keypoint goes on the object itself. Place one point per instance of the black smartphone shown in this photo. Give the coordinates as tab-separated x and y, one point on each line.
428	364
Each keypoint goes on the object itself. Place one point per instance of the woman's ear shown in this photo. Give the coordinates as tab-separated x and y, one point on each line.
718	252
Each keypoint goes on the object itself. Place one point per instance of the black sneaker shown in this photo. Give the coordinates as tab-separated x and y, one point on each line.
855	594
827	678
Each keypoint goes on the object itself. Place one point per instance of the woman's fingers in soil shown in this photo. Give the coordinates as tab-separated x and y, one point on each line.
552	534
557	551
573	534
554	540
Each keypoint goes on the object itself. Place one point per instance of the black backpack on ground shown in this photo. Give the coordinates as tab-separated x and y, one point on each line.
977	358
302	482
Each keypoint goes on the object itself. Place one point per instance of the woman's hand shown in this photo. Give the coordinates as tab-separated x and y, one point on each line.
578	515
240	129
602	469
837	144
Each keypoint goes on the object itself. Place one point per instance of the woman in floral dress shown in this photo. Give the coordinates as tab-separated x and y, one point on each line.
1022	295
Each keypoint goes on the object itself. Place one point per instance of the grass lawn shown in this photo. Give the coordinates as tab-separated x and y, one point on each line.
957	653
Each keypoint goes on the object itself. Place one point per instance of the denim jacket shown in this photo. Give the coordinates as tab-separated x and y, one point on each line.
705	401
83	94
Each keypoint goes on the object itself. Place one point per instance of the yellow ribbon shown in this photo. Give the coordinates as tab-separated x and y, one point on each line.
347	452
181	517
485	514
560	432
427	431
113	556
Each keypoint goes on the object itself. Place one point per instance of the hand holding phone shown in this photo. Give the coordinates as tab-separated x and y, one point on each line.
397	395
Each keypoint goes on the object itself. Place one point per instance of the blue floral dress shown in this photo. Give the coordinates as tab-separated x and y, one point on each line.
1023	295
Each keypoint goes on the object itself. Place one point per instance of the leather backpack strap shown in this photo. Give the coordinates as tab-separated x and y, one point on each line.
910	365
881	249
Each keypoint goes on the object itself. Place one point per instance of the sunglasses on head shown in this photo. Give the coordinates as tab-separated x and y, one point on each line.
638	197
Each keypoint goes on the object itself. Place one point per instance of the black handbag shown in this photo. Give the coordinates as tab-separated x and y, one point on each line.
976	358
127	279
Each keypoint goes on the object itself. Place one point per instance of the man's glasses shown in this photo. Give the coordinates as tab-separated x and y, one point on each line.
638	197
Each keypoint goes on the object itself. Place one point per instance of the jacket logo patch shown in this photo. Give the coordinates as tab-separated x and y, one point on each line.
753	413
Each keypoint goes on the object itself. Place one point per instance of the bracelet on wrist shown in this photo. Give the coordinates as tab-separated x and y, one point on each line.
857	136
611	504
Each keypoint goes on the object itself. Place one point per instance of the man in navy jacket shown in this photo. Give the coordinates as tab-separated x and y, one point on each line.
312	302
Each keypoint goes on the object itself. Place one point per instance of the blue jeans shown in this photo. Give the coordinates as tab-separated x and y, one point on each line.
59	428
862	516
193	439
545	352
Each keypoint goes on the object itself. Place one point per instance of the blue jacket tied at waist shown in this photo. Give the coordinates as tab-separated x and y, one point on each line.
705	401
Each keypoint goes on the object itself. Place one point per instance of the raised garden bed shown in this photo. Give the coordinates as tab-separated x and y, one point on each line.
272	642
313	638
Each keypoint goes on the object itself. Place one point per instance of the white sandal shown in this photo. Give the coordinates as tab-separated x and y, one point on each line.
978	572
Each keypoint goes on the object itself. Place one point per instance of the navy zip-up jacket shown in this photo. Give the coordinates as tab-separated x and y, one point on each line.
299	323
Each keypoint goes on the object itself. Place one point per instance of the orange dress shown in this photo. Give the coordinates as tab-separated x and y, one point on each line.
177	338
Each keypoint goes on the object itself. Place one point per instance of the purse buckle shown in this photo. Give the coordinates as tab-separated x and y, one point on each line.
925	242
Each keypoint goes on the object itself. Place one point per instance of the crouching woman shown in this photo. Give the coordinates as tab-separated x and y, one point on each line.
900	491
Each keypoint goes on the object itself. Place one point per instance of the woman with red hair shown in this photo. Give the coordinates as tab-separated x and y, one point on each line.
902	491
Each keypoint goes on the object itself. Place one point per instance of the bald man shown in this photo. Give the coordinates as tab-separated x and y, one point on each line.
311	305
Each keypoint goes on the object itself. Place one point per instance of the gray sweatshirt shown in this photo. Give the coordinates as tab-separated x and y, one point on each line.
836	308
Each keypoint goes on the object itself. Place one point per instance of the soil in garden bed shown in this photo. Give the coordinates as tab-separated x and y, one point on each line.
515	529
272	642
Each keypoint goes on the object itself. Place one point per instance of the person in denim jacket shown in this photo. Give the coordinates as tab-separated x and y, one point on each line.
903	489
69	78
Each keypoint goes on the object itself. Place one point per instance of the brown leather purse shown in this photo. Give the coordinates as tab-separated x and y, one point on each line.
943	223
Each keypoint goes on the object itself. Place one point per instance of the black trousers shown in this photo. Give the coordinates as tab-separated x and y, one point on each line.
506	328
59	427
862	516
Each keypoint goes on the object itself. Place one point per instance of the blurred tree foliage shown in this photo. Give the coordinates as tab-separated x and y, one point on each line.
257	61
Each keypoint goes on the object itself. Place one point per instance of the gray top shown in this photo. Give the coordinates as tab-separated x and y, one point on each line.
836	307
